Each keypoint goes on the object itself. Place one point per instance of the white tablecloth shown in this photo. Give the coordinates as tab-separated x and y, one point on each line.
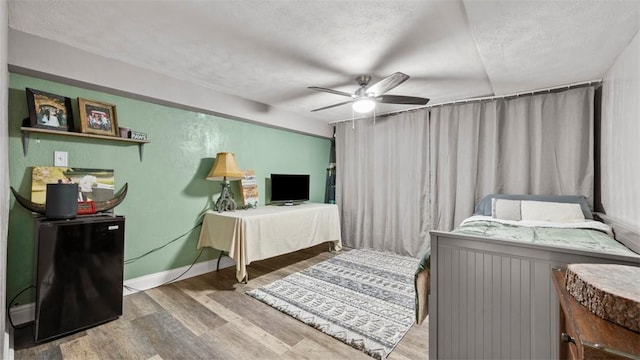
268	231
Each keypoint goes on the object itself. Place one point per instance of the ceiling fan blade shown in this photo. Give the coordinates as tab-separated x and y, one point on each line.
330	91
386	84
404	100
330	106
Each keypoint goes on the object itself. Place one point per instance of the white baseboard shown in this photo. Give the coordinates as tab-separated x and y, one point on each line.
150	281
25	313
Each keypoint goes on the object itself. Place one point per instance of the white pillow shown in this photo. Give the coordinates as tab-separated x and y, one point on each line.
505	209
551	211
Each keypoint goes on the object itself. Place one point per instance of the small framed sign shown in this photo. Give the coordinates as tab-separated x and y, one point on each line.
138	135
49	111
249	185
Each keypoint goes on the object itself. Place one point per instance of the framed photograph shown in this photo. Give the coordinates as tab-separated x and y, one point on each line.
49	111
98	118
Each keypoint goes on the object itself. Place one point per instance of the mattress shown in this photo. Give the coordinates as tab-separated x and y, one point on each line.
587	235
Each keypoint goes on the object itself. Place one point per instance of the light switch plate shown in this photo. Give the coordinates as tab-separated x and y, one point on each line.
60	158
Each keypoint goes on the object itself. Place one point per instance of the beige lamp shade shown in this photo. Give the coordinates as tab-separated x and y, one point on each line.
225	168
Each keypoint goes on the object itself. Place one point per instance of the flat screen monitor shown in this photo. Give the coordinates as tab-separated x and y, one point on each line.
287	189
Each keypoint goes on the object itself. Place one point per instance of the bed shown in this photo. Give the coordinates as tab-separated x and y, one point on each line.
487	284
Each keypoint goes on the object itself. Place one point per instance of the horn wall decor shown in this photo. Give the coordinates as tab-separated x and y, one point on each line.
100	205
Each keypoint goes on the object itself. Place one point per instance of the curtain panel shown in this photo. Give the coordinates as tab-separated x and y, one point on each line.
382	183
425	170
540	144
620	134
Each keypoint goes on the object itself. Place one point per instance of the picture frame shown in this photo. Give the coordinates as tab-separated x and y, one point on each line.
49	111
249	185
98	118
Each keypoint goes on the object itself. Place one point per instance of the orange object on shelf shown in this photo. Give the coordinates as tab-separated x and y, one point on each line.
86	207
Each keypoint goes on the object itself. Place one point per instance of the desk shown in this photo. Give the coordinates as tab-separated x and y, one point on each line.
268	231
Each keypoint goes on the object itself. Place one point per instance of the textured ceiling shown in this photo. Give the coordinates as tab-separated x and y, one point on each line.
270	51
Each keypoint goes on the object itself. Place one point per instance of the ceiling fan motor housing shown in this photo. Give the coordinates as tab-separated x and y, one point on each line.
360	92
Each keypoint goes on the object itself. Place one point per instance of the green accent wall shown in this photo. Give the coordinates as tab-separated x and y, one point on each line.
168	191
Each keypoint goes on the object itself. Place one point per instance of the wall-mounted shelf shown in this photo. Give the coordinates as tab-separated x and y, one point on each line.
26	133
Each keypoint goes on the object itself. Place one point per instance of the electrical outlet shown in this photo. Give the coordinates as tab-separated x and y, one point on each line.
60	158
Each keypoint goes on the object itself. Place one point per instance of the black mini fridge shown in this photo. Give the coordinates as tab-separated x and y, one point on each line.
79	274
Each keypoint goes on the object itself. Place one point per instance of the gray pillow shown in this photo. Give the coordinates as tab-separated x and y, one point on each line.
484	206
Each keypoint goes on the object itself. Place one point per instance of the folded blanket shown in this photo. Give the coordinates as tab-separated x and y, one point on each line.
582	235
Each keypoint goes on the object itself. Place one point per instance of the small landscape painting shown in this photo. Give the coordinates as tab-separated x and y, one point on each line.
93	184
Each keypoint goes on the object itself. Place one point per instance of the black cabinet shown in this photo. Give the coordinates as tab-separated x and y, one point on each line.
79	274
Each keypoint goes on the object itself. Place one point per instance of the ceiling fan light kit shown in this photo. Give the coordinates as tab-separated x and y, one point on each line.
363	105
364	99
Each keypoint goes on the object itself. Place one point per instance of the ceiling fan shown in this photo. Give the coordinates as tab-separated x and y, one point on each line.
364	99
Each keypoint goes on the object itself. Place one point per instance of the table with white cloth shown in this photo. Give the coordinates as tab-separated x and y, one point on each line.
268	231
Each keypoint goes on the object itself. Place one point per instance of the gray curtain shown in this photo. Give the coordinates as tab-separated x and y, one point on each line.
541	144
620	137
382	183
423	170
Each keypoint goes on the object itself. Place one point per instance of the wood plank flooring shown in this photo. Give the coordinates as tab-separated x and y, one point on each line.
210	317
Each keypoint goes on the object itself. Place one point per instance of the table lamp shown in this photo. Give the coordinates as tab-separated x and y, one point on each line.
225	169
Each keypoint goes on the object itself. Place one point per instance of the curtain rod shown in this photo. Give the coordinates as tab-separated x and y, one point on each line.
480	99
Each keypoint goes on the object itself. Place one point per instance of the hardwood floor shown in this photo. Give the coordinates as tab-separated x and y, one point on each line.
210	317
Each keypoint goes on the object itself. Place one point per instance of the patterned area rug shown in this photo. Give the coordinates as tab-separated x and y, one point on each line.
363	298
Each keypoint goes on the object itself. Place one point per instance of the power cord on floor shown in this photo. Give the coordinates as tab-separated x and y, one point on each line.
175	278
129	261
9	306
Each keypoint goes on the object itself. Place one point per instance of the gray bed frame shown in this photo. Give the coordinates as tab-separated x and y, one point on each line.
494	299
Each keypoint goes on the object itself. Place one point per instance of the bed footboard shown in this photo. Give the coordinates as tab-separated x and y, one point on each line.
494	299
